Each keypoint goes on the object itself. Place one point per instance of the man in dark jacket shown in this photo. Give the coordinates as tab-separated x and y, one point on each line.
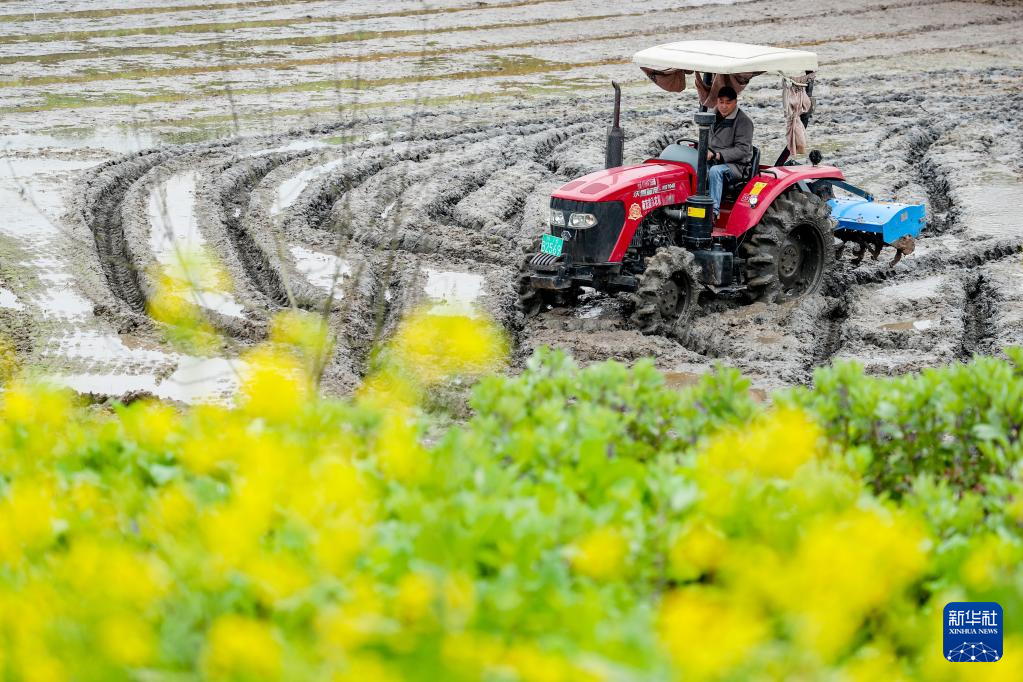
731	145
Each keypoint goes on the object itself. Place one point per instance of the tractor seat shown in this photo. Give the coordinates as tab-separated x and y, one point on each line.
749	171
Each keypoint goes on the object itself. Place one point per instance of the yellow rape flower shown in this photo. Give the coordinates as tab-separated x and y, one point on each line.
150	424
27	515
363	669
171	509
774	447
36	405
436	346
601	554
305	332
336	544
533	665
398	452
115	573
708	634
459	598
389	389
416	594
240	647
330	489
353	624
844	567
699	548
128	640
276	578
174	303
991	559
472	653
276	385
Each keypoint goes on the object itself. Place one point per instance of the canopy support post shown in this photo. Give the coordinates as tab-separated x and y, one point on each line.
805	118
708	79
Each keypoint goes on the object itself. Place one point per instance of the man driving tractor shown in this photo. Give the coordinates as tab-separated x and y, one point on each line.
731	144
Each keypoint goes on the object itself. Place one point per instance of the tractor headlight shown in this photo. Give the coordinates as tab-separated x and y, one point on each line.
581	221
557	218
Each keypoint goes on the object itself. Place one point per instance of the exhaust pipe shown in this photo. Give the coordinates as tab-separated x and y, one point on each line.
615	135
699	206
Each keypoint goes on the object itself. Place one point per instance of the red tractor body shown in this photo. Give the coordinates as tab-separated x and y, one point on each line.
658	183
649	229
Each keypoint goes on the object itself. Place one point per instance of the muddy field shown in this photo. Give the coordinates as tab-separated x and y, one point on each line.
372	158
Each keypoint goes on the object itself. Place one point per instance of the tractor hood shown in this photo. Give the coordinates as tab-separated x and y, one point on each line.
652	184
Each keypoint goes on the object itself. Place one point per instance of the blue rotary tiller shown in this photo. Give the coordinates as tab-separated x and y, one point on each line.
871	223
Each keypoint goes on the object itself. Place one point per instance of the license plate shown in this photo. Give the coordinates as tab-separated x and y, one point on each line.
551	244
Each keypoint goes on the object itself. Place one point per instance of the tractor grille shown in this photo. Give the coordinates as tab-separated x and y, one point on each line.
594	244
545	261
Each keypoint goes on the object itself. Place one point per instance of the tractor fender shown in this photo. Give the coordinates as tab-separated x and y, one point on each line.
764	188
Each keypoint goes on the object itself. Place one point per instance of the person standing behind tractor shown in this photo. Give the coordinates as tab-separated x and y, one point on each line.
730	146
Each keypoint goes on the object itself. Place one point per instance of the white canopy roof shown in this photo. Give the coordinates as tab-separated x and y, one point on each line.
716	56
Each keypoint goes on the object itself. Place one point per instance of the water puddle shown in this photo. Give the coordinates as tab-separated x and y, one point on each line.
322	269
9	300
17	167
912	290
202	380
992	208
681	379
197	380
172	216
289	190
111	139
294	146
106	384
911	325
453	291
104	348
175	236
590	312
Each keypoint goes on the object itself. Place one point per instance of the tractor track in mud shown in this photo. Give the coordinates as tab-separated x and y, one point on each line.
978	310
235	183
943	213
101	213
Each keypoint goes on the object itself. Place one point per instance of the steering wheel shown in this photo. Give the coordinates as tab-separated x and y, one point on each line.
680	140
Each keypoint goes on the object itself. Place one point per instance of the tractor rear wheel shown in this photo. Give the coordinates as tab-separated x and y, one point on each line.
791	249
666	296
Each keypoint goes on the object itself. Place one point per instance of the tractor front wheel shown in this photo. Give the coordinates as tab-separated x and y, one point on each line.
532	301
791	249
666	296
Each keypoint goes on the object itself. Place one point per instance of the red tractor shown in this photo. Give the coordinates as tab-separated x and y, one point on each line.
649	229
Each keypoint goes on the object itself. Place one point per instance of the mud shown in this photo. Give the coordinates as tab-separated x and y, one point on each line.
362	166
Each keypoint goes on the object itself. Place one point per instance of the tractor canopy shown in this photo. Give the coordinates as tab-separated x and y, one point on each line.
720	57
718	63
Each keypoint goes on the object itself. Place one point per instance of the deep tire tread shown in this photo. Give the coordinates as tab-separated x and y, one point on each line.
668	262
785	214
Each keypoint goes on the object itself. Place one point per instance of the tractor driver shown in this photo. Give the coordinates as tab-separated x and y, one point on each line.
730	145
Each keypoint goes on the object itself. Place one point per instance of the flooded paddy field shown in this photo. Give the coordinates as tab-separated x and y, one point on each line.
366	159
